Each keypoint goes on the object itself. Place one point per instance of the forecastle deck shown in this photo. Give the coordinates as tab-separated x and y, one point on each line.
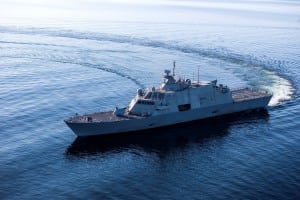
108	116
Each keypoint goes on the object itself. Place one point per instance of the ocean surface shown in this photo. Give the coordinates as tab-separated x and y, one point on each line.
50	71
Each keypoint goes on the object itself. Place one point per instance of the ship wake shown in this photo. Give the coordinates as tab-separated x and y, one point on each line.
257	72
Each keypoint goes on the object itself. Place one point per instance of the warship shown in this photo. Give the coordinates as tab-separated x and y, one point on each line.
174	101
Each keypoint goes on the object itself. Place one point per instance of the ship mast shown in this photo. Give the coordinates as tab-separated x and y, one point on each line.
174	62
198	73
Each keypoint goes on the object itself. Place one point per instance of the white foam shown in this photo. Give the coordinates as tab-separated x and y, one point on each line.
281	88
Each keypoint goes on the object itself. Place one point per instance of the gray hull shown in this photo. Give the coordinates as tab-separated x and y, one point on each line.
111	127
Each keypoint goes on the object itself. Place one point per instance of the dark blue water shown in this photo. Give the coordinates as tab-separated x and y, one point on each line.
50	73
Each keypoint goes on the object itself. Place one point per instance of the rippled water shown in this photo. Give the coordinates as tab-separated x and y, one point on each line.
50	73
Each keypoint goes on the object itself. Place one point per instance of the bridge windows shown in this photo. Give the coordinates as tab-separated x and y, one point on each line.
155	95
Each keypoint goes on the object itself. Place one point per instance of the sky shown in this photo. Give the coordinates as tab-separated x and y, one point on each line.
192	11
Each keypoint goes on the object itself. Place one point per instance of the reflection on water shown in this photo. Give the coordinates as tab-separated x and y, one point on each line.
163	140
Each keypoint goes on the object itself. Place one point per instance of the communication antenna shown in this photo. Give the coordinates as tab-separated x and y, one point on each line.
193	76
174	62
198	73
